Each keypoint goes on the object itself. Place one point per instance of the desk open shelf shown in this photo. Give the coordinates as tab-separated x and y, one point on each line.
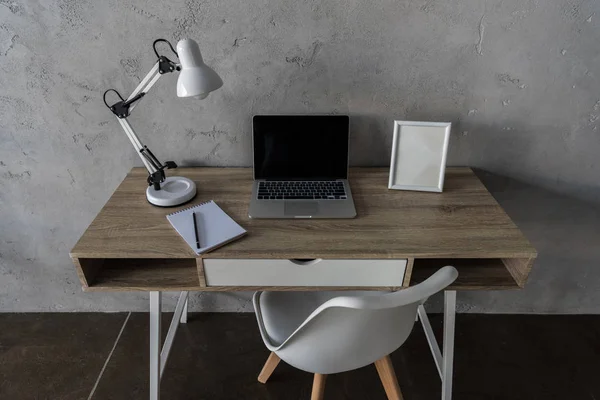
124	274
476	273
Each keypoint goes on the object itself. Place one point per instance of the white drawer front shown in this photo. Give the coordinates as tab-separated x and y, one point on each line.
264	272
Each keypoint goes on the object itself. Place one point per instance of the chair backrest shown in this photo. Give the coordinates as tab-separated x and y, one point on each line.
349	332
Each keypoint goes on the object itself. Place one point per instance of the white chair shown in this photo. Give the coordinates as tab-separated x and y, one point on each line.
325	333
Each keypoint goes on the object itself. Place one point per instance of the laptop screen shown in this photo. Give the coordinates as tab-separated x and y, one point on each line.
307	147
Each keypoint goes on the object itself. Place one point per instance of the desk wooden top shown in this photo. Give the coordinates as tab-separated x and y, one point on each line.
462	222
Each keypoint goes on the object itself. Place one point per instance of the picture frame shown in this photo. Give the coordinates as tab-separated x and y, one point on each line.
418	160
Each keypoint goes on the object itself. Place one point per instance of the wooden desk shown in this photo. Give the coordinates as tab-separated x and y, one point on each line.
131	245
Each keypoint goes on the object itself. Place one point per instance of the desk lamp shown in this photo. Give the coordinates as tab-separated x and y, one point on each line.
196	80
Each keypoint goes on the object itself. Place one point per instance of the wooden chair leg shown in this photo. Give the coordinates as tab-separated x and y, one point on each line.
269	367
388	378
318	389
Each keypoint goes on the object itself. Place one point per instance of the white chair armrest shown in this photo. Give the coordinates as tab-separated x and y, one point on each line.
261	326
415	294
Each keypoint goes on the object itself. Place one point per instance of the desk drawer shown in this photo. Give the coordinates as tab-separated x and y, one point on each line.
317	273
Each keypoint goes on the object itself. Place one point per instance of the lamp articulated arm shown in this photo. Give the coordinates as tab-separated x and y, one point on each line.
123	108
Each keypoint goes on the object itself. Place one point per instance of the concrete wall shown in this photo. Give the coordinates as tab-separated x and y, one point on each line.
519	80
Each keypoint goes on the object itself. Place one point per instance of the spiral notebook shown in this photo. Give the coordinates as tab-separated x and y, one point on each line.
215	227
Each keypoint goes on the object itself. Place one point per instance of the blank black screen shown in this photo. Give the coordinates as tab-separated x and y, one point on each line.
300	146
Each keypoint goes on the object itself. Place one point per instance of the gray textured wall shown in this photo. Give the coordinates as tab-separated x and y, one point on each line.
519	80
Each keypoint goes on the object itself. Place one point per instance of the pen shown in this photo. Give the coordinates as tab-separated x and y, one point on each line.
196	230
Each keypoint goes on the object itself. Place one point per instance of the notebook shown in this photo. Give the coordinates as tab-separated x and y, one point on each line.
215	227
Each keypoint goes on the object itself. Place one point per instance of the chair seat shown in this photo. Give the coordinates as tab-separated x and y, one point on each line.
284	312
331	332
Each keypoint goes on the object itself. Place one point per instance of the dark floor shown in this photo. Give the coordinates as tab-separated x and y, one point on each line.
218	356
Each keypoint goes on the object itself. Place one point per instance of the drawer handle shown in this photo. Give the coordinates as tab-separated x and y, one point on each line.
305	261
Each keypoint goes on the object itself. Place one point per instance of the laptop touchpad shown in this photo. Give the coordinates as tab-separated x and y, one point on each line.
301	208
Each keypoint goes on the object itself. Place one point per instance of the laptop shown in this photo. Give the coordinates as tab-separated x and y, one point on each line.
301	167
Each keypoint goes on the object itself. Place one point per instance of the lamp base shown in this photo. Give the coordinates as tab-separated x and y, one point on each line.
174	191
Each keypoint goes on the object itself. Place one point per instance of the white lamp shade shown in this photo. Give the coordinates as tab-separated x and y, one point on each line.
196	79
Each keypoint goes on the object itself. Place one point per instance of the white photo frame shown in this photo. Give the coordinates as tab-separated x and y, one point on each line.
419	152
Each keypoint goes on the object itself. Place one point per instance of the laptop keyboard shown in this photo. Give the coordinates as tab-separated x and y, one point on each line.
301	190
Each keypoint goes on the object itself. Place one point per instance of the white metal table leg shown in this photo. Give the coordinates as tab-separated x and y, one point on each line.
166	348
184	313
433	344
444	362
448	358
155	344
159	353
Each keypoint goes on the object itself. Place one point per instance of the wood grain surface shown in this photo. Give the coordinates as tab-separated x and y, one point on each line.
464	221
